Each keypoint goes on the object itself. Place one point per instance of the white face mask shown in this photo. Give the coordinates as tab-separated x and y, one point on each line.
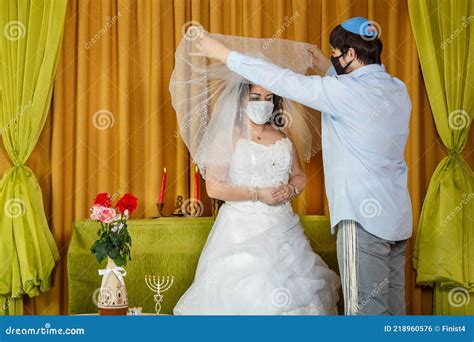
259	111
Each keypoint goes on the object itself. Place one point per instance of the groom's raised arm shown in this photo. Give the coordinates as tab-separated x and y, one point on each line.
325	94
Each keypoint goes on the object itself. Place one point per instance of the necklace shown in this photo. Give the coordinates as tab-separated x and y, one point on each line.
259	135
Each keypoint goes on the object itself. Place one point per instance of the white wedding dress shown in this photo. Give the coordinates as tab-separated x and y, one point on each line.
257	259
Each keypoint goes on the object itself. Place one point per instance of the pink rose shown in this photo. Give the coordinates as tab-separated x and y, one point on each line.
95	212
103	214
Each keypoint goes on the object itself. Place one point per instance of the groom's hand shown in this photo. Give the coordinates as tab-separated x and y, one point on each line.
320	60
214	49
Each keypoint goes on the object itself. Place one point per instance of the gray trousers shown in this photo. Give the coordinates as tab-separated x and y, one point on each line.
372	271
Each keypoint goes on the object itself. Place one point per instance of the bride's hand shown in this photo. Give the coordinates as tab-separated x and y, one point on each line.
212	48
265	196
282	193
320	60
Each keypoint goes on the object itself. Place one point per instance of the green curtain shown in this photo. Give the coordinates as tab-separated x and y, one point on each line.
31	35
444	251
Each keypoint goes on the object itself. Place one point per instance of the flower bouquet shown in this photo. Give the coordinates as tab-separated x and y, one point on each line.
114	243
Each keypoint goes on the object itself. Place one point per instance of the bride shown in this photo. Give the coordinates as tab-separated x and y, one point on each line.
257	259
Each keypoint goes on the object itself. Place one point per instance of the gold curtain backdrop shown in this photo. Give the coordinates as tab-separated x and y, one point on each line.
112	127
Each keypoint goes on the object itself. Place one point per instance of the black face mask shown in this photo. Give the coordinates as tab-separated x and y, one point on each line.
340	70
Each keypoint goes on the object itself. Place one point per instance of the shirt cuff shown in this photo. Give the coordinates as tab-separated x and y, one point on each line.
331	71
233	60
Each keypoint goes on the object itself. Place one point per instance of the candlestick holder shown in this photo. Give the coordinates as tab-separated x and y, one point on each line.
159	207
178	206
193	207
158	285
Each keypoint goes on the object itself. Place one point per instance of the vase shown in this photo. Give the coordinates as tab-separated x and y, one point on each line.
113	299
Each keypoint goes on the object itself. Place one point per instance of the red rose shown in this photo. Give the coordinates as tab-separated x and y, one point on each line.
127	202
103	199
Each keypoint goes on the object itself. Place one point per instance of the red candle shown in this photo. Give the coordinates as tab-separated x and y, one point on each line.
163	187
197	194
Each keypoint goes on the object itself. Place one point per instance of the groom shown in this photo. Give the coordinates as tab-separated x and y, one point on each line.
365	120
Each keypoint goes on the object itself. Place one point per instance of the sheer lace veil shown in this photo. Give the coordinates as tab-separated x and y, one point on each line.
209	99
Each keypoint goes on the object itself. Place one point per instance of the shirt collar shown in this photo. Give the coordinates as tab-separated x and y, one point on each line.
367	69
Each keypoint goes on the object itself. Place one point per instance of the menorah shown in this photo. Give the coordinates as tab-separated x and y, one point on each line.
158	284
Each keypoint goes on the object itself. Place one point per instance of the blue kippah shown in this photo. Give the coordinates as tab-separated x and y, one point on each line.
361	26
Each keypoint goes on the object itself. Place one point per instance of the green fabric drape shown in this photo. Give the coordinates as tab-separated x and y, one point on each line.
30	42
444	251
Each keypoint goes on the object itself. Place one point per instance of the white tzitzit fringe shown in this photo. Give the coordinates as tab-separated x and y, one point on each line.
350	286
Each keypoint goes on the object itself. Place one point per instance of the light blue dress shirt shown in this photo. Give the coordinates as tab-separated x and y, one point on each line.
365	121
